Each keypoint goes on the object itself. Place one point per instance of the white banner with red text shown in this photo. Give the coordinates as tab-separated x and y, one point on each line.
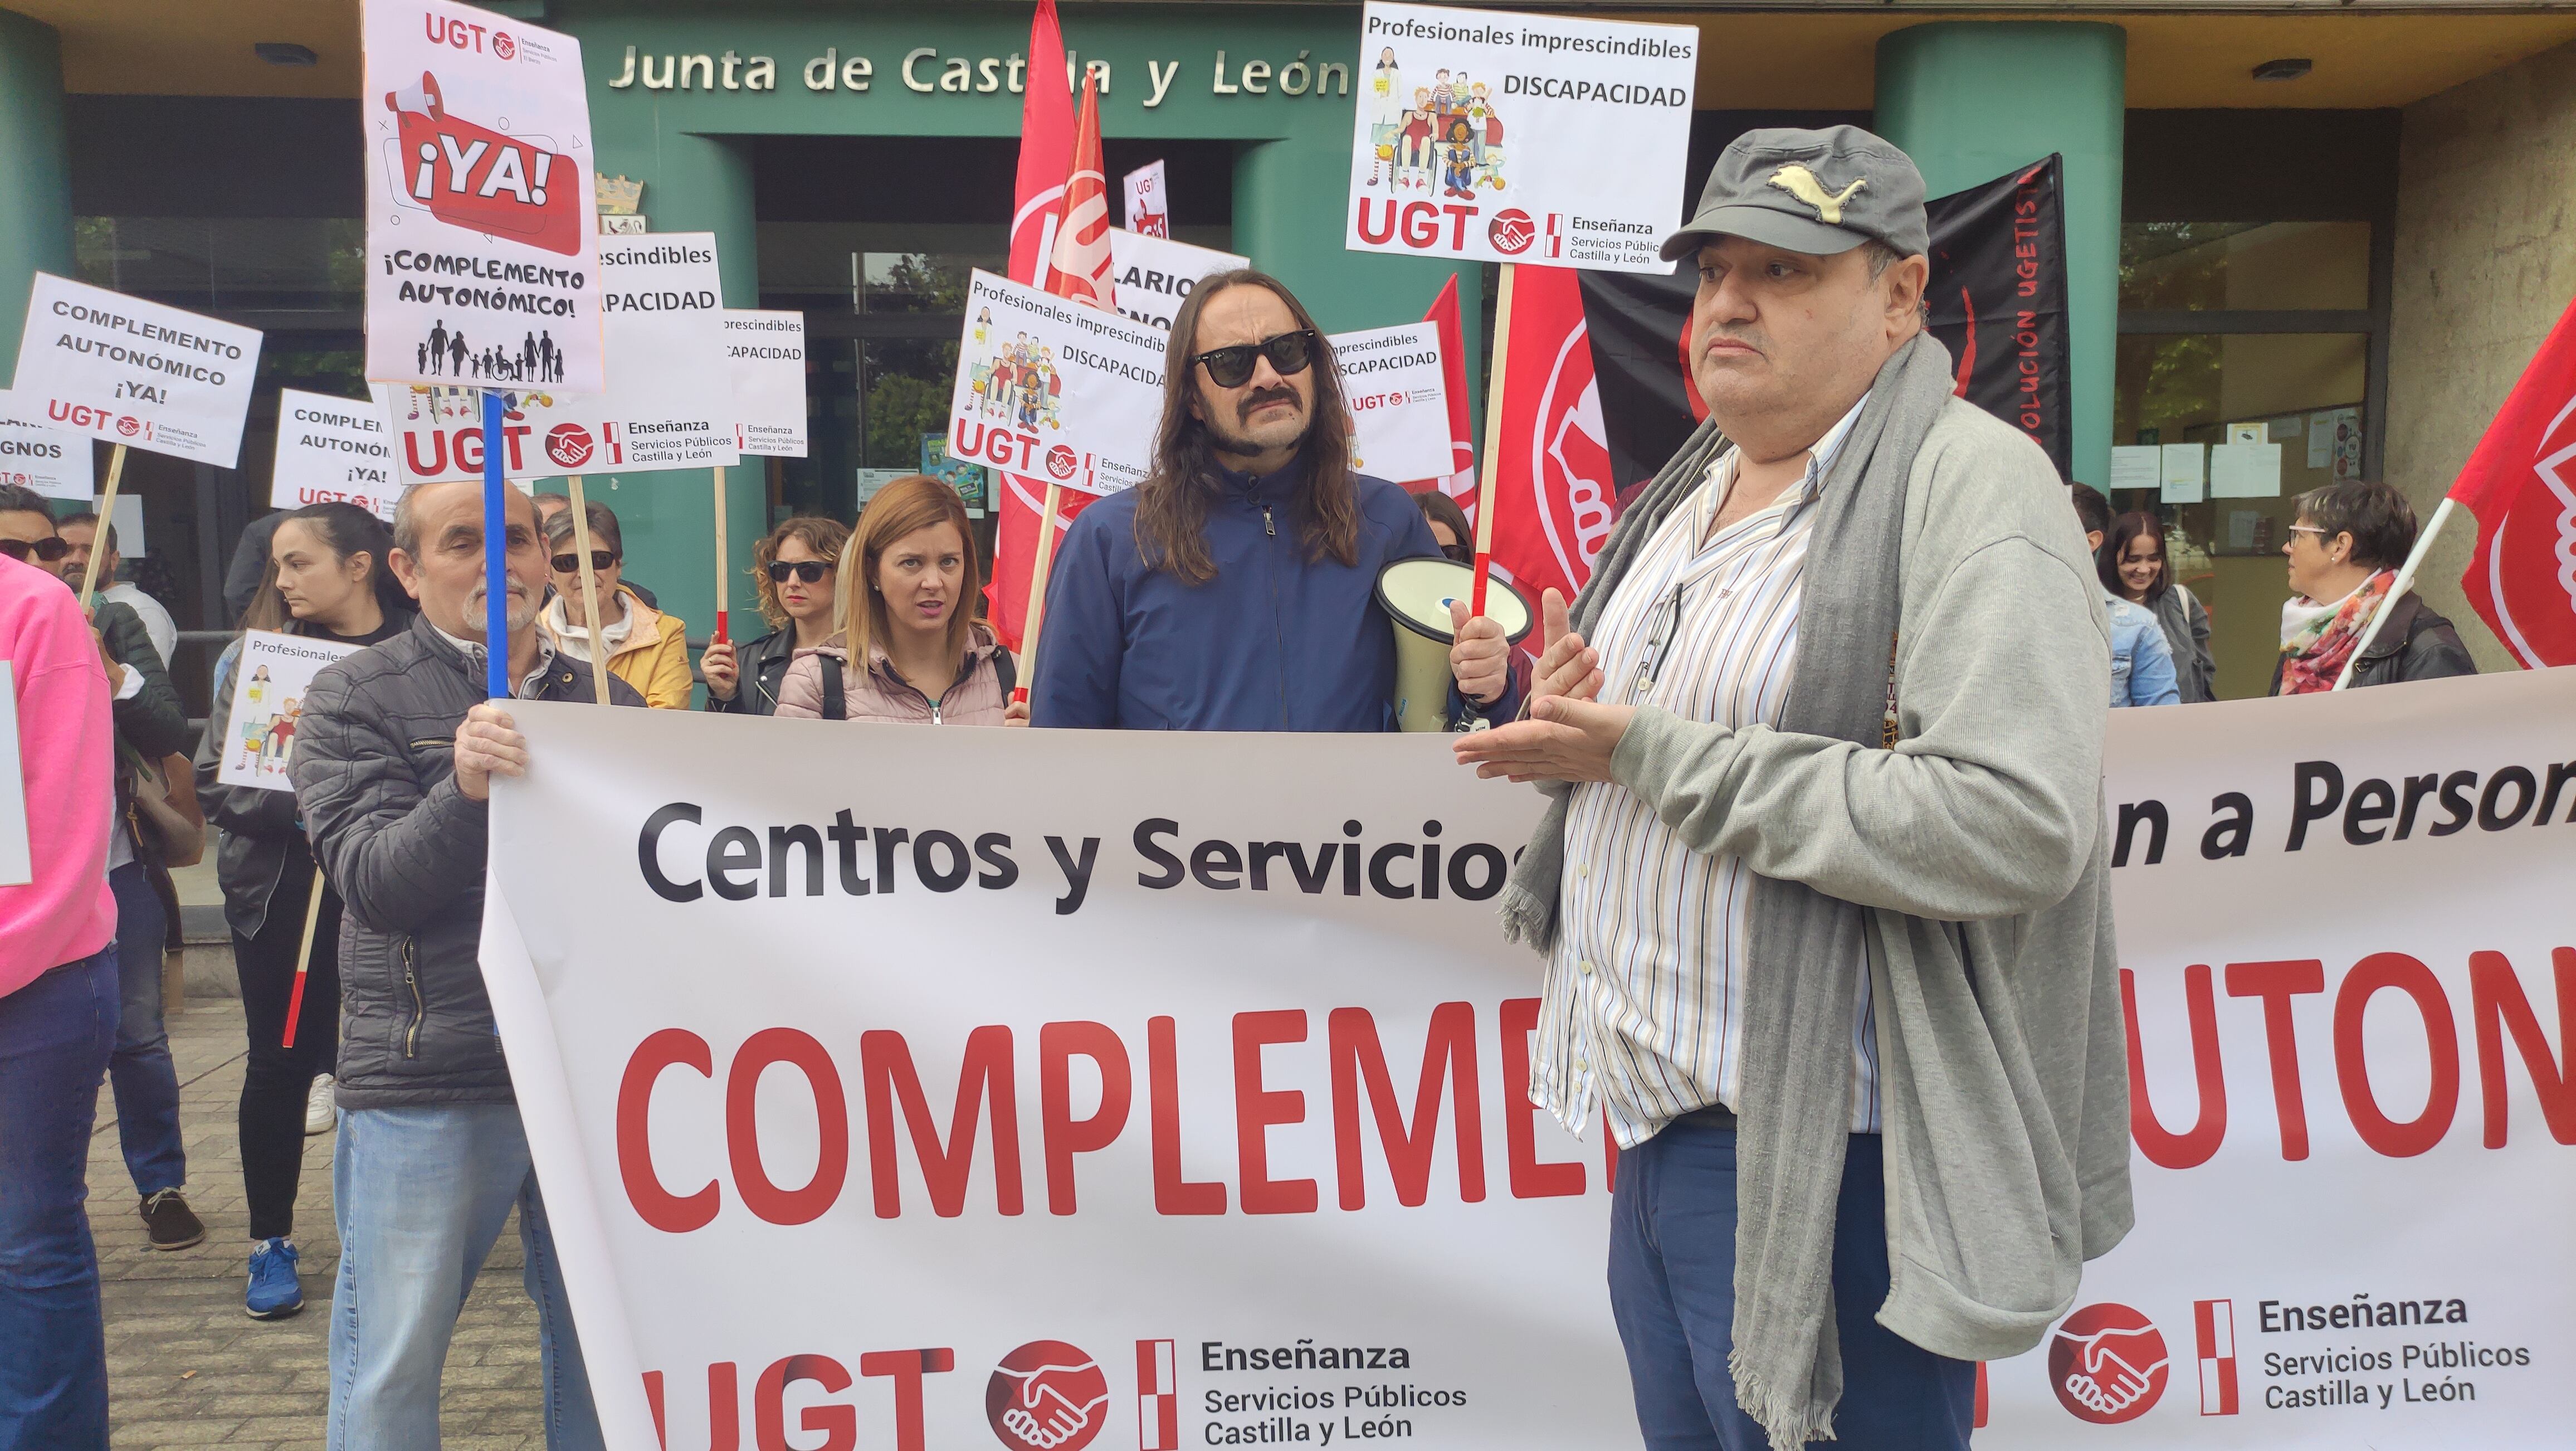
1067	1088
1096	1086
2350	949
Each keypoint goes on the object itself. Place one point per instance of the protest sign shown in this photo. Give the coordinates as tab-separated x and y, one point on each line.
482	248
105	365
2353	1121
271	678
1501	136
1189	1161
1154	275
54	462
766	351
669	403
17	864
1399	402
1053	389
333	449
1149	207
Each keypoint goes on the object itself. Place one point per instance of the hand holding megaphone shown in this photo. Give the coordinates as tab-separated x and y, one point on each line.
1567	666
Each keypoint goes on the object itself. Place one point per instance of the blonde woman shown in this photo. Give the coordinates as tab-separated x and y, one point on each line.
796	571
909	649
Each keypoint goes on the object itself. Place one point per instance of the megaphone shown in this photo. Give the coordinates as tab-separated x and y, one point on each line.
1415	593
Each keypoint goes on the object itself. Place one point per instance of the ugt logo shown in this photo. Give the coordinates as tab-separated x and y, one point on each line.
1511	231
2107	1364
568	444
1047	1396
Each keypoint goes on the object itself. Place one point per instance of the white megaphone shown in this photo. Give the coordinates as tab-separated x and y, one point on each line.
1415	594
420	100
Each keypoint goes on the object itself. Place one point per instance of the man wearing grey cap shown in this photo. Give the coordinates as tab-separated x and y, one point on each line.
1822	888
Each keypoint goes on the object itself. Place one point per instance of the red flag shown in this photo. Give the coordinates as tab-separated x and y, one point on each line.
1046	149
2521	484
1080	263
1460	482
1553	496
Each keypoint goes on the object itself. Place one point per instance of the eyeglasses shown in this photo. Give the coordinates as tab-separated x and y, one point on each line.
1289	353
49	551
600	560
2309	529
809	570
1458	553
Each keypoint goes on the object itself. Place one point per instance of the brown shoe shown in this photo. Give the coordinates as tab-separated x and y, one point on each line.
170	1223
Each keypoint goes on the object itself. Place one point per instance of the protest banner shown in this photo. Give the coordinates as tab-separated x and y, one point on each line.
1156	274
1052	388
1191	1188
2346	948
766	351
17	863
1393	382
1149	206
1503	136
272	676
1207	982
482	247
333	449
109	366
54	462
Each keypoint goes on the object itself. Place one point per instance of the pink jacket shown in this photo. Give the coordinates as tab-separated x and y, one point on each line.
66	756
879	694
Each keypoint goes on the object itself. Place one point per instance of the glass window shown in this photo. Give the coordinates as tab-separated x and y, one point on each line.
2257	266
227	264
2301	391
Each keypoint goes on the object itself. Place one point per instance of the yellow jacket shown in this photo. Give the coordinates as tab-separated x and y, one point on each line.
654	656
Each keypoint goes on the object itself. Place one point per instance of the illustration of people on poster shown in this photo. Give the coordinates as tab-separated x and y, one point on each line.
276	676
1047	385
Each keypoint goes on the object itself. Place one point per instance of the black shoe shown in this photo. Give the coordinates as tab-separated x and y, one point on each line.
170	1223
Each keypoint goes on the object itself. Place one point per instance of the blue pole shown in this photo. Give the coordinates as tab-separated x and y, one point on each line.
496	554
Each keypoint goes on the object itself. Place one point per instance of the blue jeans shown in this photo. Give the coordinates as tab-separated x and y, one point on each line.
55	1034
1672	1291
145	1080
420	1195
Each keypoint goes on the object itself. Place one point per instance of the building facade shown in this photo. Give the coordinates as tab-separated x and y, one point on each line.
2342	226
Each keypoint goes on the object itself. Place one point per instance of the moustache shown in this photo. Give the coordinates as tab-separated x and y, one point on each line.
1743	337
1264	398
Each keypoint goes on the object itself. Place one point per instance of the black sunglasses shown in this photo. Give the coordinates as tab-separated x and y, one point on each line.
1289	353
600	559
809	570
1459	553
48	550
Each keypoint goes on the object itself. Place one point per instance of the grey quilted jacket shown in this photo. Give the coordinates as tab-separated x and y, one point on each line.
374	771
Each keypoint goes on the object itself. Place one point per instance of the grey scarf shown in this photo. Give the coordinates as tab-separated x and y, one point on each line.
1799	996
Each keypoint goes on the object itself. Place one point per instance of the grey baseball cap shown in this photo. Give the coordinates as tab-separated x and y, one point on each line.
1818	192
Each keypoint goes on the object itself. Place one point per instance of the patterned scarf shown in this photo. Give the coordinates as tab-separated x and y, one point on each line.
2316	639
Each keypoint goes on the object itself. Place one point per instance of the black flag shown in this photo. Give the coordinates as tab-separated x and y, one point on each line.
1998	303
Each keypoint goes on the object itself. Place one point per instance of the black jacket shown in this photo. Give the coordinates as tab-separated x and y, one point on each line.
151	722
764	664
374	771
2415	644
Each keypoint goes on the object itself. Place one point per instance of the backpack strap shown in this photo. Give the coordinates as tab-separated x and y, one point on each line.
1008	671
835	705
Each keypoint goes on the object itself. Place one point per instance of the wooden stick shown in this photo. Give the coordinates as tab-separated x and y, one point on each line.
1035	615
722	583
303	958
2404	581
589	591
106	517
1492	460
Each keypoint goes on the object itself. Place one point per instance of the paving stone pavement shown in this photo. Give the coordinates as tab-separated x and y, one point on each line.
185	1366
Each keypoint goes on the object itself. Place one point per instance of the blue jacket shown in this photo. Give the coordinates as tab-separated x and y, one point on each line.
2142	667
1275	642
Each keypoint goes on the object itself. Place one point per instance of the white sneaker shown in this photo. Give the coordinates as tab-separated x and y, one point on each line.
319	1117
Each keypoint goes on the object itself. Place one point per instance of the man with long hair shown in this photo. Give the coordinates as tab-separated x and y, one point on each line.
1236	588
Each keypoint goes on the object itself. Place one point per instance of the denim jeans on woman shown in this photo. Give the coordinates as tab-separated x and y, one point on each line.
140	1070
421	1194
55	1035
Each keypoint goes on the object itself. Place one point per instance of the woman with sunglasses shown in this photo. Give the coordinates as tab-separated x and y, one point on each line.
794	571
646	648
1236	587
327	580
910	650
2343	554
1449	527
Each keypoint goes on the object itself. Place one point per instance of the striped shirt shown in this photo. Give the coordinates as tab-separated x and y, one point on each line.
1644	1005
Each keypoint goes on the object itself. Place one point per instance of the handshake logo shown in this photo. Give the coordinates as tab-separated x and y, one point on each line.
1047	1396
2107	1364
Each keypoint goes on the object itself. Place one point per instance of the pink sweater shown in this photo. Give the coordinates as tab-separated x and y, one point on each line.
66	744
